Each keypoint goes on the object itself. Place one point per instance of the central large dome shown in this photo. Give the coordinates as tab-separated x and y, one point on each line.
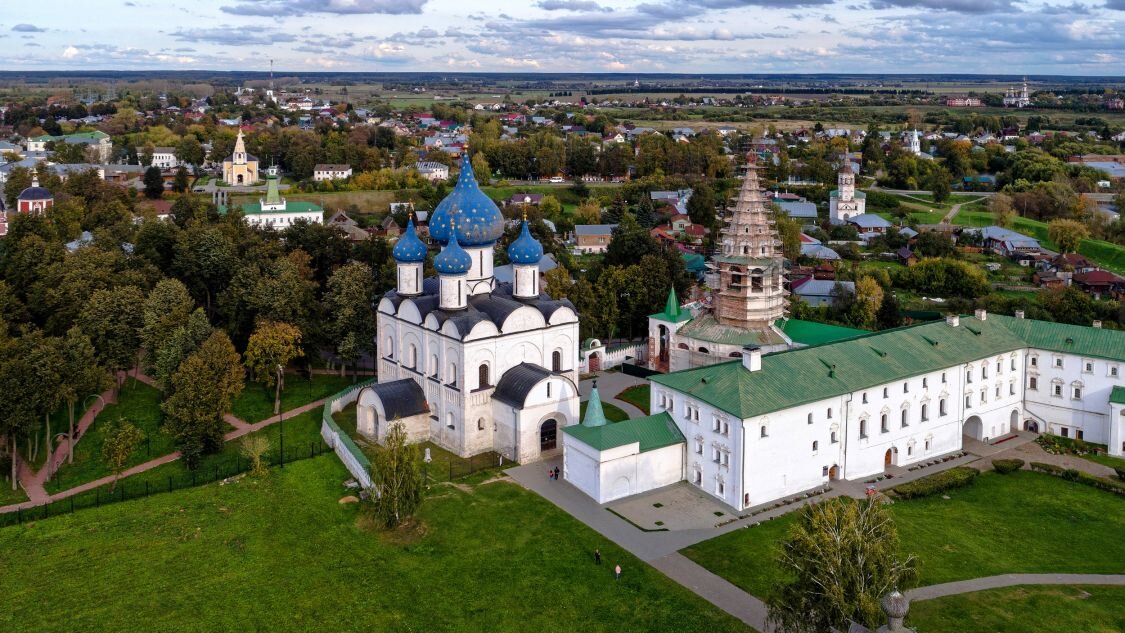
478	219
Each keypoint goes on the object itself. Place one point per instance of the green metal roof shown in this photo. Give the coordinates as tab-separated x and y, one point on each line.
1062	337
758	262
1117	396
651	432
595	416
707	328
96	135
255	208
672	312
813	333
835	193
795	377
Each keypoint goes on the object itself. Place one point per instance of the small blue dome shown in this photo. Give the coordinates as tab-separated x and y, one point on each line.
479	221
409	249
525	249
453	260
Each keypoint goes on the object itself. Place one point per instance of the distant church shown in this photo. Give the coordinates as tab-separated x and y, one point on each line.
240	168
845	203
465	361
1021	99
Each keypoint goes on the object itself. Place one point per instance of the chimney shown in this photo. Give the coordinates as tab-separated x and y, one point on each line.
1097	324
1019	314
953	320
752	357
981	314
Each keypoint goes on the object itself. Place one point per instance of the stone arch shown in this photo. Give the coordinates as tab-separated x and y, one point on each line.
622	487
1014	420
973	428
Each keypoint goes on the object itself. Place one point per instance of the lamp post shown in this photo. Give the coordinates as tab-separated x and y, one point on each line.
281	420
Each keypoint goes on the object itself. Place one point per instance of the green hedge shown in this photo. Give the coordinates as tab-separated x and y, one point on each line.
1120	472
939	482
1071	474
1005	466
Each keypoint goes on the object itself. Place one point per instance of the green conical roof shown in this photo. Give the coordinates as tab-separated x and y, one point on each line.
672	312
594	414
273	195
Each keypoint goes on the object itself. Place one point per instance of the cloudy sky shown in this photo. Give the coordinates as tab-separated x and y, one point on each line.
1082	37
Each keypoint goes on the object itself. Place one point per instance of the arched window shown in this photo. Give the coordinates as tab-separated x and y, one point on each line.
556	361
905	422
453	374
863	428
482	376
834	437
390	347
815	445
433	365
480	424
413	357
762	431
703	350
925	412
810	418
941	407
883	423
683	346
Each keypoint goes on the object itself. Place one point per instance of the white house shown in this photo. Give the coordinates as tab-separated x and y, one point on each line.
277	212
433	171
769	426
164	158
482	365
331	172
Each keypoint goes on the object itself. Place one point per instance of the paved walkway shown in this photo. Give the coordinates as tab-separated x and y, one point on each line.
1011	580
955	209
609	385
241	428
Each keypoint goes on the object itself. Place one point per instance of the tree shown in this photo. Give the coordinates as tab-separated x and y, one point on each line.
868	300
113	320
589	212
481	170
179	343
1067	234
203	390
839	560
348	304
557	282
549	207
940	185
701	205
18	180
397	480
181	182
154	183
253	447
272	346
121	439
646	213
790	232
166	308
189	151
81	375
1003	213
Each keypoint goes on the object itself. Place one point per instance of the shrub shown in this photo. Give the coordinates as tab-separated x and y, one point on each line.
939	482
1005	466
1120	472
1077	476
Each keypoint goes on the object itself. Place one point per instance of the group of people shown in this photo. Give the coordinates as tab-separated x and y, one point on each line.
598	561
553	473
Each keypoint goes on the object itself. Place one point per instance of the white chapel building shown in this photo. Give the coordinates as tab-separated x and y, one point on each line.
845	203
465	361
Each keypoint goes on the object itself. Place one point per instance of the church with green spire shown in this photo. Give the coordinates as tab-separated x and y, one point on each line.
275	211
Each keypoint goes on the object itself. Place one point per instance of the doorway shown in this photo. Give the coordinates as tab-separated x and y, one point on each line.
595	363
548	436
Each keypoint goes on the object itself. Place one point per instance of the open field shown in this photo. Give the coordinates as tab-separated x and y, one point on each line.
1024	609
1017	523
279	552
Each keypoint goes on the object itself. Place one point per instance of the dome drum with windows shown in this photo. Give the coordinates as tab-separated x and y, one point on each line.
468	212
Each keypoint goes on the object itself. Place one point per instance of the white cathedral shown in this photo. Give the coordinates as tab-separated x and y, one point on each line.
468	363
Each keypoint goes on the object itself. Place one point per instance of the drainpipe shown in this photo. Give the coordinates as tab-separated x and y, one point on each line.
847	434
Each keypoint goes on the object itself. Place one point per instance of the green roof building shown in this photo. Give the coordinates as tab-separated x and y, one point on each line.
275	211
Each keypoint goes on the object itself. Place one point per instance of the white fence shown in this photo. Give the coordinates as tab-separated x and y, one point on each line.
353	458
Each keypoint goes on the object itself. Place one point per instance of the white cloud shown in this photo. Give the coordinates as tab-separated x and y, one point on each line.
70	52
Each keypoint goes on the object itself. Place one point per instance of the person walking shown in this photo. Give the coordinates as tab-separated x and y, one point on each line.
556	473
597	556
617	572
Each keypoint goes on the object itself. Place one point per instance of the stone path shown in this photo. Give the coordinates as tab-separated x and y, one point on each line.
955	209
241	428
1011	580
609	385
1033	452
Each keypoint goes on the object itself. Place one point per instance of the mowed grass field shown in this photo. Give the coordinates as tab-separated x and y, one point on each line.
1025	609
279	553
1023	522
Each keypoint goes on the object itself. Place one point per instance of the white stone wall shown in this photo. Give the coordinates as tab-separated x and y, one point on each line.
620	471
1088	415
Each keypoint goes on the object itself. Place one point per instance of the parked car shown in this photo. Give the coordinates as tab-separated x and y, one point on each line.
557	179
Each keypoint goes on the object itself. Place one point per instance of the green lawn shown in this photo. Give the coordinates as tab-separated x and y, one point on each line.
1022	522
1105	460
637	395
1024	609
9	496
613	413
280	553
138	403
256	402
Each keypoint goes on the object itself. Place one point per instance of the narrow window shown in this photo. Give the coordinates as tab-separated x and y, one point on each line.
556	361
834	437
925	412
883	423
863	428
482	376
810	418
829	413
904	421
815	445
1033	383
763	431
941	407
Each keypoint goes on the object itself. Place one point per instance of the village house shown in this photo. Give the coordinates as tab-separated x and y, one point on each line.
593	238
331	172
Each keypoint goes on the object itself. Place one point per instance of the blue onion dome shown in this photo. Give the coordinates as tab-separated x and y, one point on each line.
525	249
35	192
453	260
478	219
409	249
